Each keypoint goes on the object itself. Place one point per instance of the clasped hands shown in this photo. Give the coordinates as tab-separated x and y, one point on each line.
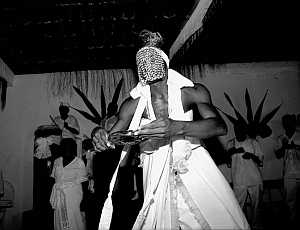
252	156
160	128
246	155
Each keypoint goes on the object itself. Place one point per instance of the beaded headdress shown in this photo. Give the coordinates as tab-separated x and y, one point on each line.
151	60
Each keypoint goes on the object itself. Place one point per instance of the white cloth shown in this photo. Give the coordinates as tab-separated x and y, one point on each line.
42	149
291	175
245	171
250	199
247	179
292	198
199	197
67	194
291	162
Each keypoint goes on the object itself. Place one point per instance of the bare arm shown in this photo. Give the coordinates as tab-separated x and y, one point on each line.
124	117
211	123
73	126
71	129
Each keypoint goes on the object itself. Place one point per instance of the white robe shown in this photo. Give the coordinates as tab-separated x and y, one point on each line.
197	196
67	194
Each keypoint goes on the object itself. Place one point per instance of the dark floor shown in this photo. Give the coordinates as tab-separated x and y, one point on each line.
274	216
273	211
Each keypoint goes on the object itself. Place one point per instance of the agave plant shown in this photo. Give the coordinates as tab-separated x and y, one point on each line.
253	126
106	113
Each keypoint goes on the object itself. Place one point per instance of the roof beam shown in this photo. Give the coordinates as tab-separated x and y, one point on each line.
193	24
6	73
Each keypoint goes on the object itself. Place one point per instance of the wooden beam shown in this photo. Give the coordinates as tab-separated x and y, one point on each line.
6	73
193	24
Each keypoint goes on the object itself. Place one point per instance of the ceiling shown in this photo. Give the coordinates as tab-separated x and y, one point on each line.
70	35
246	31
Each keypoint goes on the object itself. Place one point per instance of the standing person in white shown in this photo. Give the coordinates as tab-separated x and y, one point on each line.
69	172
247	177
288	148
247	156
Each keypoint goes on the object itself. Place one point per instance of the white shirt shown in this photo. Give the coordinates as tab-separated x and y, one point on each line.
291	160
245	171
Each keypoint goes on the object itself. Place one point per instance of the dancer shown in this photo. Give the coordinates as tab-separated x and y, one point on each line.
183	188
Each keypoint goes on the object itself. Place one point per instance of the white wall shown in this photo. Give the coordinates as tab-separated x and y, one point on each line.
29	106
281	78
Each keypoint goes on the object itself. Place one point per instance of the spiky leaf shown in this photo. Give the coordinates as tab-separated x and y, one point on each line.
113	105
270	115
229	117
240	118
88	116
239	128
117	92
249	107
103	103
88	103
259	109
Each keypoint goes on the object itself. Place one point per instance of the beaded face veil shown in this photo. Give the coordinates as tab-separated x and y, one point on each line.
151	61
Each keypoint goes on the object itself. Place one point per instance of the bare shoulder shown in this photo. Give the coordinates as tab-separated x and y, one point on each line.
125	114
197	94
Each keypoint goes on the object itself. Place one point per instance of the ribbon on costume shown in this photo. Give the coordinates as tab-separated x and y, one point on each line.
58	201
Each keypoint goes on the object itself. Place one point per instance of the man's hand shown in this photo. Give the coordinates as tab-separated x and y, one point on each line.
100	140
158	128
72	130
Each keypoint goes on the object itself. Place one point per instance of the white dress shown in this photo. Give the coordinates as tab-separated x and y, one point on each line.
67	194
183	187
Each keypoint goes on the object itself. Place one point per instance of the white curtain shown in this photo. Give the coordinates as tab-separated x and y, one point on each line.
90	82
